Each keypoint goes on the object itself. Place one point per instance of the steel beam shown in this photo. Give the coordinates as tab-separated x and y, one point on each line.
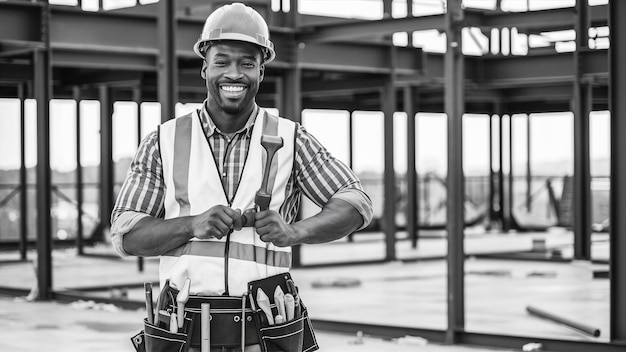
388	102
21	23
364	29
508	209
358	57
79	175
528	166
136	97
581	107
14	73
106	156
455	224
617	266
534	21
42	91
412	209
168	64
492	176
21	95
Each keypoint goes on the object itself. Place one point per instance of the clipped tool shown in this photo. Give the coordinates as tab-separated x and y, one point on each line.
264	304
162	298
290	306
263	196
181	300
149	305
173	323
205	326
279	300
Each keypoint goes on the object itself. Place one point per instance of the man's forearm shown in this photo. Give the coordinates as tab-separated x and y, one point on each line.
153	237
337	219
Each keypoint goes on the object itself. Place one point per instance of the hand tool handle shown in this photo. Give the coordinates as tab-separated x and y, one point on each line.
181	314
149	304
290	306
205	326
173	323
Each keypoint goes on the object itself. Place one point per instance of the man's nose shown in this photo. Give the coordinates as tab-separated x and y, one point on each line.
233	71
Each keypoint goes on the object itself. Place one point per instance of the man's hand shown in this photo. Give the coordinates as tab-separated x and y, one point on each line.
215	222
272	228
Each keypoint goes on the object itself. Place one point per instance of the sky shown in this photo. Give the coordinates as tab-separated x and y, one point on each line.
552	134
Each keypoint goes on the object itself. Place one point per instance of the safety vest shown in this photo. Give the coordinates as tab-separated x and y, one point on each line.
193	185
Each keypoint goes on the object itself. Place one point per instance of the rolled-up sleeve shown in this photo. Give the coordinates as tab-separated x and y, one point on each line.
321	176
359	200
141	193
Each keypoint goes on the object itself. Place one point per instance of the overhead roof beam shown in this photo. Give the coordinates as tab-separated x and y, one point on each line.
545	20
535	21
350	29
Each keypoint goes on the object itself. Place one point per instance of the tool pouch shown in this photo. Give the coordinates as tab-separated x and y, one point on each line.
296	335
159	339
225	321
156	337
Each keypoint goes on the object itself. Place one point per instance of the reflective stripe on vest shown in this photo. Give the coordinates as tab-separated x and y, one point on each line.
203	260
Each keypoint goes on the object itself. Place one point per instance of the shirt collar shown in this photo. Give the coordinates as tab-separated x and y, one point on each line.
210	128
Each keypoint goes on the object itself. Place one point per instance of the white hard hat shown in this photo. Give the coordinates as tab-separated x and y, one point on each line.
236	22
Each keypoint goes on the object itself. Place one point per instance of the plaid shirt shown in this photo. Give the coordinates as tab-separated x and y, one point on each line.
316	173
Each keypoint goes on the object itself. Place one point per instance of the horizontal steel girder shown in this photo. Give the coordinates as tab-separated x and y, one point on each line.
530	22
20	22
119	41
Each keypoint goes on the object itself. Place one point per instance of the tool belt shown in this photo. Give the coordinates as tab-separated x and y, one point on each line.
226	317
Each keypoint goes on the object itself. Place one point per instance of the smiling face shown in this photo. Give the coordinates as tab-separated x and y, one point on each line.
232	72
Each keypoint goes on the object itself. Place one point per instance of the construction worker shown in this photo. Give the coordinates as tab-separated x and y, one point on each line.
193	179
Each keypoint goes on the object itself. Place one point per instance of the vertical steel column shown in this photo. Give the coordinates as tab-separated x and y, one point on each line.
23	180
137	100
388	97
350	152
43	90
492	186
412	213
617	104
528	165
387	8
168	64
291	96
581	221
106	156
501	200
455	105
79	175
350	140
509	203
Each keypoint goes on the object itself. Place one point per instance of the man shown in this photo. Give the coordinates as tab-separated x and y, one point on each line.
192	179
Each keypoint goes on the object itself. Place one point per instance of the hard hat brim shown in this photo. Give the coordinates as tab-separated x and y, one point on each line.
266	46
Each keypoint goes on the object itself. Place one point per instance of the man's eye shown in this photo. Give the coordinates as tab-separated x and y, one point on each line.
219	63
249	65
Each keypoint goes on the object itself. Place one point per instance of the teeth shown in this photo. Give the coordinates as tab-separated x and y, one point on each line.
233	89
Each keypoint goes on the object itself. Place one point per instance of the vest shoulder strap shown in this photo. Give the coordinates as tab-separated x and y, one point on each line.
270	124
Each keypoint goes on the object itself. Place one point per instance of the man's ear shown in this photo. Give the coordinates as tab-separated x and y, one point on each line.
261	72
203	70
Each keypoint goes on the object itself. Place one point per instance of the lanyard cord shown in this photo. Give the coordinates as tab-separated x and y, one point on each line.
226	255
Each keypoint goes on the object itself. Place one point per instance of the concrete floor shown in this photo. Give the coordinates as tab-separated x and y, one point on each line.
82	326
410	292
